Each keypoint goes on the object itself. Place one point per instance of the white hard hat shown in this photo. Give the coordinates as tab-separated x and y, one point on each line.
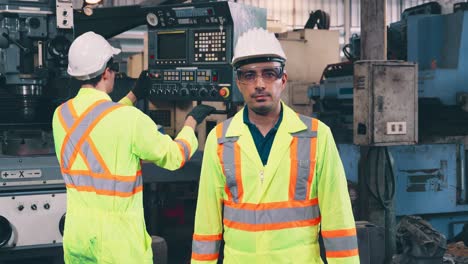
88	56
257	45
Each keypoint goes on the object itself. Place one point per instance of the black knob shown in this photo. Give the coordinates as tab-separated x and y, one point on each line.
213	93
47	206
34	207
5	231
203	92
20	207
184	92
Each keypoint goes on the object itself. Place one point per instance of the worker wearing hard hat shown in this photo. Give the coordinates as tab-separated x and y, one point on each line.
271	179
99	145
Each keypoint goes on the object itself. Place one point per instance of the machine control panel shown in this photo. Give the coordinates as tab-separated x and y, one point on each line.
190	48
16	212
189	84
18	173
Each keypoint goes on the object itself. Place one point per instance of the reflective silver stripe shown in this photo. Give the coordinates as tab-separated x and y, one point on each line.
271	216
223	138
340	243
66	114
80	130
185	147
228	161
303	157
102	184
91	158
206	247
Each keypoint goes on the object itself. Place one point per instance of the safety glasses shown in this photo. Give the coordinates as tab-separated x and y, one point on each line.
269	74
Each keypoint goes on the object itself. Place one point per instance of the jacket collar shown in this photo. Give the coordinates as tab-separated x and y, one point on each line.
93	93
291	123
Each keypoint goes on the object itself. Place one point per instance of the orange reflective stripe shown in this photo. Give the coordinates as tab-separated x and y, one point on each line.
89	129
313	151
102	175
208	237
219	134
342	253
65	127
272	205
182	150
293	170
237	158
72	109
75	125
204	257
339	233
105	192
272	226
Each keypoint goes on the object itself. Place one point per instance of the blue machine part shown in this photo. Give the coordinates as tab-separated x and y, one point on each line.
426	178
437	43
350	156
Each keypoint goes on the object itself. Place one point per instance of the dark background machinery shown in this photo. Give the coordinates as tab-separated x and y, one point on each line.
433	169
34	45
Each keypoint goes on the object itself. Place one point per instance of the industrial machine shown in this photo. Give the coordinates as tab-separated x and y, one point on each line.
191	46
34	41
424	132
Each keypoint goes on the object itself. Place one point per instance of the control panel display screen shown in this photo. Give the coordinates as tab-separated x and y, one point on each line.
172	46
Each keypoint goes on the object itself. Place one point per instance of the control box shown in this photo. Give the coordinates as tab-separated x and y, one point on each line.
190	48
385	103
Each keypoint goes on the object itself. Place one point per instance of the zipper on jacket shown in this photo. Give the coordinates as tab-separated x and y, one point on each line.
261	177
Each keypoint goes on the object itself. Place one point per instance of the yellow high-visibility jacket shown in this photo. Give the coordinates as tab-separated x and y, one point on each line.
99	145
273	213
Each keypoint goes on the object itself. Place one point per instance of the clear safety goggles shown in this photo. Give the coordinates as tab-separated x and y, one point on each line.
268	74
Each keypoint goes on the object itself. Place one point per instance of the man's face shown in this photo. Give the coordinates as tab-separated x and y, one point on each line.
261	85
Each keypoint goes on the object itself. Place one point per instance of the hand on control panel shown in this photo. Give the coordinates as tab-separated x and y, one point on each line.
200	112
142	85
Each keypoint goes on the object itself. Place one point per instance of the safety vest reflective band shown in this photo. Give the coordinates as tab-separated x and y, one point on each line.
271	216
206	247
97	177
230	156
302	152
299	210
185	149
340	243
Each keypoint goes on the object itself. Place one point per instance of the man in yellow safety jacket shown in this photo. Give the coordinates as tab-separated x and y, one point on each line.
271	179
99	145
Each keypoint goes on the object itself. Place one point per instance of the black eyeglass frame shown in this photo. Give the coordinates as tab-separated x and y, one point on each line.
279	74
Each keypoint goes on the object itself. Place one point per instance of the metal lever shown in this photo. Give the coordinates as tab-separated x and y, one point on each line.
23	48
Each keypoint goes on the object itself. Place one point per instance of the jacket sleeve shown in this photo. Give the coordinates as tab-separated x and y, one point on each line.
151	145
125	101
208	234
337	224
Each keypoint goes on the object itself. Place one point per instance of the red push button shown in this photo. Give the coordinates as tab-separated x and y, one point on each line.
224	92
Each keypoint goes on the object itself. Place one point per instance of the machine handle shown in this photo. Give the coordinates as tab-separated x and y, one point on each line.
23	48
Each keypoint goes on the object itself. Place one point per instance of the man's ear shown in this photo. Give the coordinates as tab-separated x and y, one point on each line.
106	74
284	79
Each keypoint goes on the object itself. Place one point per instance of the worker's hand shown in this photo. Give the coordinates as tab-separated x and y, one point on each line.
200	112
142	85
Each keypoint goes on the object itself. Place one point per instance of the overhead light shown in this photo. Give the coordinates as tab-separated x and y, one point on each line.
92	2
89	5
